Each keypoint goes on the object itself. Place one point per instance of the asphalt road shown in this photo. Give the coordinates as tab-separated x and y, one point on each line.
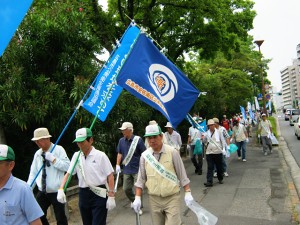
288	134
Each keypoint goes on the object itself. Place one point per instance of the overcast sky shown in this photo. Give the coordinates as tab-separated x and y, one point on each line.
277	23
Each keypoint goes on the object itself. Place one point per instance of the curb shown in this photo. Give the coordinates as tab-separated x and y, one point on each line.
294	186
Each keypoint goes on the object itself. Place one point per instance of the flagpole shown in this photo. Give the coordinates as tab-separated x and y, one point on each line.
76	110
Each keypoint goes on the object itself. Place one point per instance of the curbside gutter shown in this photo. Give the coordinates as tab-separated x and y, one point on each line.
294	169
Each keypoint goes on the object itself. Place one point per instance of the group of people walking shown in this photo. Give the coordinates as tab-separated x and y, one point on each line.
155	164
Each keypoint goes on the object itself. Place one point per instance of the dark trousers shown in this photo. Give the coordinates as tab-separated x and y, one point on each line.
47	199
197	160
214	159
92	207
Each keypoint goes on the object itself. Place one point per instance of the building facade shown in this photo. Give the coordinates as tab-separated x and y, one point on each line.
290	81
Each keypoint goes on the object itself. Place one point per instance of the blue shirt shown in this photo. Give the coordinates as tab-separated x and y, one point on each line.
17	203
123	148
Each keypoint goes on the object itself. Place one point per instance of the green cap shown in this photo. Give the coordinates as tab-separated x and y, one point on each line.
6	153
82	134
152	130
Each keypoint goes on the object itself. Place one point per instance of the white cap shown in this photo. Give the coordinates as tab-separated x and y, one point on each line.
152	130
126	125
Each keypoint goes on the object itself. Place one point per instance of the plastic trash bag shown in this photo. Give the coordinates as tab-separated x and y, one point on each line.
273	139
204	217
233	148
198	147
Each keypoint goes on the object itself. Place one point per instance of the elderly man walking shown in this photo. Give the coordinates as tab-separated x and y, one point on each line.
173	137
95	180
215	149
130	149
240	137
265	131
162	171
17	203
54	165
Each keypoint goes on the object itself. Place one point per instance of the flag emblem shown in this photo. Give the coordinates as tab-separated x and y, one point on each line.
163	82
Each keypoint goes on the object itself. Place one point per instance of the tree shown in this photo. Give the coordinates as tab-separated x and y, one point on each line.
181	26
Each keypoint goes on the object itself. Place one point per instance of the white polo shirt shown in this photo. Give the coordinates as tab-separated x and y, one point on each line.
96	167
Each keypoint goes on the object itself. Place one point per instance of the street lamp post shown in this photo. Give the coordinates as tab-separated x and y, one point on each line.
259	43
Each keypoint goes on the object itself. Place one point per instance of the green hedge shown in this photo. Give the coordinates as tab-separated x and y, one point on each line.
274	125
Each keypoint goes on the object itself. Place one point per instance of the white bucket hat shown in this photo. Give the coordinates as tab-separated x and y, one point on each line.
40	133
169	125
210	122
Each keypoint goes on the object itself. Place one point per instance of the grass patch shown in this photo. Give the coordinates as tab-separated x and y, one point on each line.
274	125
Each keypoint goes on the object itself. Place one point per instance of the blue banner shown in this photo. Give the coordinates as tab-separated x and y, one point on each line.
106	92
203	126
151	77
243	112
12	13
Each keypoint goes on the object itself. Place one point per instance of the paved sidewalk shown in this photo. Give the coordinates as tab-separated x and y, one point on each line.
260	191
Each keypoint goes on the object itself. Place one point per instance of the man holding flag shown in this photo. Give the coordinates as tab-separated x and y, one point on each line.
95	180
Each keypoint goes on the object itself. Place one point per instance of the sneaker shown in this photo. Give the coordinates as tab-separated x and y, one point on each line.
244	160
239	158
226	174
271	151
199	172
265	153
215	174
140	212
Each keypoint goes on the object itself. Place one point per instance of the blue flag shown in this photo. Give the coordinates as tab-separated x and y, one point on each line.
243	112
151	77
203	126
12	13
106	92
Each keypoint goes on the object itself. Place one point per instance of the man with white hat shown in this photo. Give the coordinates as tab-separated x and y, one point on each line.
95	180
265	131
17	202
130	149
215	148
173	137
162	172
54	165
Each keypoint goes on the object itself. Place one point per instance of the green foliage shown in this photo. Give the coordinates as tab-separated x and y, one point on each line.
206	27
274	125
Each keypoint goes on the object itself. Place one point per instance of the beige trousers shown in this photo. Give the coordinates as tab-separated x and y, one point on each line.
165	210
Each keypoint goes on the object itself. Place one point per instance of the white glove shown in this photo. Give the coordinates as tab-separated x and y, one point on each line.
49	156
188	198
118	169
61	197
258	135
223	151
111	203
136	205
247	140
228	148
230	139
